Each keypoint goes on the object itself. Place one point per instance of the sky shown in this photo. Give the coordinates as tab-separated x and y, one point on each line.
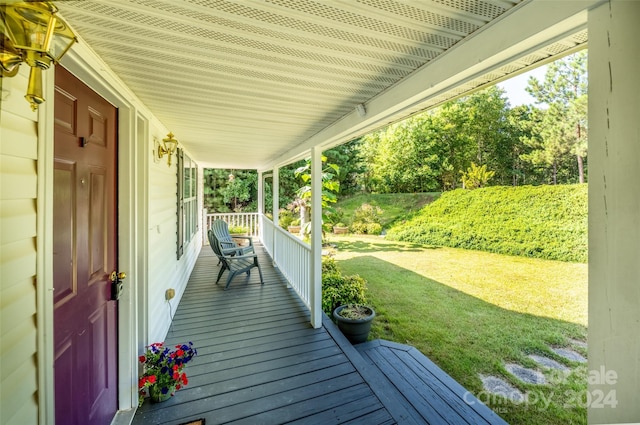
515	87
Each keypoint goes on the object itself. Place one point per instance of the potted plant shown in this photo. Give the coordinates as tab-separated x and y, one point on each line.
294	227
163	371
354	320
340	228
239	234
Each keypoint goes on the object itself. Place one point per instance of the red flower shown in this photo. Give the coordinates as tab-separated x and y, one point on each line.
141	382
152	379
179	353
178	386
142	359
185	380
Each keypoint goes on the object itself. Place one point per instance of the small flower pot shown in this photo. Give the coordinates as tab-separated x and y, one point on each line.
156	395
356	330
294	229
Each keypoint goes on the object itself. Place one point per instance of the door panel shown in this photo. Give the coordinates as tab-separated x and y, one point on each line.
64	176
97	225
85	254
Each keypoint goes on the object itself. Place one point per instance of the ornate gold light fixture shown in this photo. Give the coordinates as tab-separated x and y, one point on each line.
167	147
31	32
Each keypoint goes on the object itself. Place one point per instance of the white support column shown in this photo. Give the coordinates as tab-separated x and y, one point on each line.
316	237
276	196
614	213
260	193
260	201
276	212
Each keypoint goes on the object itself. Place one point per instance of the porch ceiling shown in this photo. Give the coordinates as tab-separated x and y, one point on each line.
247	84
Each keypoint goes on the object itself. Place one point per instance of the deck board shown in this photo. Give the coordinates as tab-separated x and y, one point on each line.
433	394
260	362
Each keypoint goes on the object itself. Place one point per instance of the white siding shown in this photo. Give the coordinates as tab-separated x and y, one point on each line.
165	271
18	188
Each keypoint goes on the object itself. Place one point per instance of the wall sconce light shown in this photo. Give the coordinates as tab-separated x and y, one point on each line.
32	33
167	147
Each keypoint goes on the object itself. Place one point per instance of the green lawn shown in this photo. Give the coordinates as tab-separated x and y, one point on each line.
471	312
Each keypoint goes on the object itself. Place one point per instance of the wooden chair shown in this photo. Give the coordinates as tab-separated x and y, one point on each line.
233	258
221	231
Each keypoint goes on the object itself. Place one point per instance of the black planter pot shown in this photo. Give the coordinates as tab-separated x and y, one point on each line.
356	330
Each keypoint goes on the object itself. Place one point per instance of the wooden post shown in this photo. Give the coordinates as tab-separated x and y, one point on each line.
614	213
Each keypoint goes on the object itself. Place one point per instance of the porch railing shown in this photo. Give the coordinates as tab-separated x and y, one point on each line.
291	256
247	220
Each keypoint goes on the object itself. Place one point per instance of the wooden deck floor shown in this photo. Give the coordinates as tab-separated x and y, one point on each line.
260	362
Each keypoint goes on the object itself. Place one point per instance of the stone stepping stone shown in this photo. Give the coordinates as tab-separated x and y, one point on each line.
528	376
578	343
569	355
498	386
548	363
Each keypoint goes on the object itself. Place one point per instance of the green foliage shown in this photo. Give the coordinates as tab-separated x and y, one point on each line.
230	190
367	219
335	216
366	228
235	192
476	177
338	289
562	129
238	230
428	151
394	206
531	221
286	218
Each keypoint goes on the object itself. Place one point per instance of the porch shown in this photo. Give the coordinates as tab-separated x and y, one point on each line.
260	361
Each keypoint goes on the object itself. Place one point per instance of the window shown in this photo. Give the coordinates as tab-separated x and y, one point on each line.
187	201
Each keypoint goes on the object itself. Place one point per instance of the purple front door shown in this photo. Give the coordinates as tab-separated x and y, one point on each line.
85	254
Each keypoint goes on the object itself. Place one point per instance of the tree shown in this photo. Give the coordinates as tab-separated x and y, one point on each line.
402	157
235	191
330	188
476	177
564	124
230	190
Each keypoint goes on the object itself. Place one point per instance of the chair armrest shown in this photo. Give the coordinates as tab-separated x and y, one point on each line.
249	238
241	257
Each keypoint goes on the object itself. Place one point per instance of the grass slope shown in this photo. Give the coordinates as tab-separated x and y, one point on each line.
393	205
473	312
532	221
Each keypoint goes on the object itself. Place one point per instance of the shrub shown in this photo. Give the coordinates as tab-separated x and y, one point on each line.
326	228
367	219
547	222
338	289
367	228
335	216
285	217
329	266
238	230
476	177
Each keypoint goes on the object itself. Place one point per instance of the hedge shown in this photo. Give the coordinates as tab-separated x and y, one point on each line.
533	221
